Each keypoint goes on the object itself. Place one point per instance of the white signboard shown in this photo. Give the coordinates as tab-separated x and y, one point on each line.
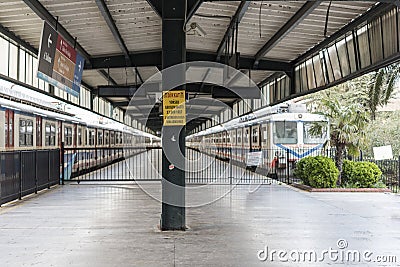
254	158
383	152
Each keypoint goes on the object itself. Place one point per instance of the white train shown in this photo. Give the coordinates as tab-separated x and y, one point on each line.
276	135
28	126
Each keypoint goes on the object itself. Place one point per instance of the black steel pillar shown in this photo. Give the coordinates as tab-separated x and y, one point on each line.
173	137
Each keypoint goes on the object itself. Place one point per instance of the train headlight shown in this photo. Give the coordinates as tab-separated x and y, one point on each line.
300	116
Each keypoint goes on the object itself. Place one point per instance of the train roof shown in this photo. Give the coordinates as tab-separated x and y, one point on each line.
25	108
286	111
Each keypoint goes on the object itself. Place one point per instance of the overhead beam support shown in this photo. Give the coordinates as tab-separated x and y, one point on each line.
116	91
153	58
243	6
192	6
298	17
156	5
105	12
107	76
44	14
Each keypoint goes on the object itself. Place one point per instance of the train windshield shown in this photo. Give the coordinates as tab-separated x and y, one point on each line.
315	132
285	132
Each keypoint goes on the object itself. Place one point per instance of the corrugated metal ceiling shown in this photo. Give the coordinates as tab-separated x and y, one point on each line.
140	28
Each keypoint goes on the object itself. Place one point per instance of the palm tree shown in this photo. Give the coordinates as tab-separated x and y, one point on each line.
348	118
380	87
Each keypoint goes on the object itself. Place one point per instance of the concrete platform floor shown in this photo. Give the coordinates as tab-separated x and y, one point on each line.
116	225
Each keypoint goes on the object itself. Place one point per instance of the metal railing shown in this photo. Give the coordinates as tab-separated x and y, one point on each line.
26	172
110	164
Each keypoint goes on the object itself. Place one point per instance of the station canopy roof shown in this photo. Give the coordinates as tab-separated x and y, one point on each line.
122	39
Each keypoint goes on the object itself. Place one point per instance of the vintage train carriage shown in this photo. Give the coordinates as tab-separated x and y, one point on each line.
275	133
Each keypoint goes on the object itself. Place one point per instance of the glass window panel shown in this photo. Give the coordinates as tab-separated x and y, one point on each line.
334	62
310	74
303	77
389	33
343	57
319	74
310	138
285	132
4	56
352	56
328	66
363	46
29	69
35	68
13	68
375	36
297	79
22	65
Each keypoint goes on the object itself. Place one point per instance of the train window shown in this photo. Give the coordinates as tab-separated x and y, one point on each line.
80	137
25	132
285	132
50	134
246	136
112	138
310	136
68	136
106	135
264	134
91	137
100	138
255	135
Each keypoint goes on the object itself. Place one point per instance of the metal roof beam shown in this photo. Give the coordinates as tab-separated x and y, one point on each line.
156	5
192	6
44	14
243	6
298	17
105	12
153	58
116	91
107	76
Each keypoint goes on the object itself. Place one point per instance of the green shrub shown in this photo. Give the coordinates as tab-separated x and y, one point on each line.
300	171
347	171
361	174
318	172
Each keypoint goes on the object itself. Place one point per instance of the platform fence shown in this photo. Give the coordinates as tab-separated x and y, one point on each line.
26	172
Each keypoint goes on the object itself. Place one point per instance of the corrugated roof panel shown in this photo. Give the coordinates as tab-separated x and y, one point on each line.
214	19
82	19
139	25
341	13
93	78
274	14
20	19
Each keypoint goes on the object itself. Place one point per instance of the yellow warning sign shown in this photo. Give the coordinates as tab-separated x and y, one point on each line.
174	108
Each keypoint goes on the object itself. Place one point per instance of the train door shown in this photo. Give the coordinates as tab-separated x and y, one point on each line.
9	128
39	131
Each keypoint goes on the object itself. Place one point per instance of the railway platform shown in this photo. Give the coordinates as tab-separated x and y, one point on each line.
116	223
